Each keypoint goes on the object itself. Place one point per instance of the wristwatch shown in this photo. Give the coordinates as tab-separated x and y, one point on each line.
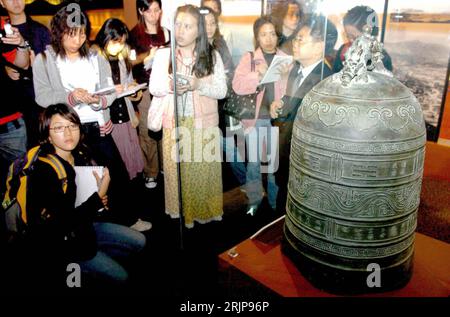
25	46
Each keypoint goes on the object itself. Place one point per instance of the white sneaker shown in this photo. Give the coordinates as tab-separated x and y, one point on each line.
252	210
141	225
150	182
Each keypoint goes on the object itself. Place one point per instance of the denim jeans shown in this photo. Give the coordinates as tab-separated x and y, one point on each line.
13	144
233	155
260	144
114	242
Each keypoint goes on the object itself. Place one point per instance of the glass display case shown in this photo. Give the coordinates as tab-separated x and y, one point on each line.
415	50
417	38
415	35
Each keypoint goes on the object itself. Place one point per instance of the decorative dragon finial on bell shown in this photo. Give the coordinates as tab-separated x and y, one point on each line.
366	53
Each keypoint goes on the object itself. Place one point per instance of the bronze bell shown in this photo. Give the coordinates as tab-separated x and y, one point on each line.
355	177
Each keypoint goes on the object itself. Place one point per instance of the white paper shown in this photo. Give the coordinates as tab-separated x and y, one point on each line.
105	91
86	182
273	73
132	90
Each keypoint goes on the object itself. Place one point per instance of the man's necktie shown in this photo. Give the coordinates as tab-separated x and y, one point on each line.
298	79
295	82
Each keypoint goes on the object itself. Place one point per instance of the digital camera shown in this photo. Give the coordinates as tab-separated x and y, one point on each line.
182	81
6	30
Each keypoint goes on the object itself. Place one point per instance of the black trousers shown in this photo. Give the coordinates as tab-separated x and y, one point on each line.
282	174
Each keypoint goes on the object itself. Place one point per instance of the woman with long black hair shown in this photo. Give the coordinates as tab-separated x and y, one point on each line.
146	38
204	83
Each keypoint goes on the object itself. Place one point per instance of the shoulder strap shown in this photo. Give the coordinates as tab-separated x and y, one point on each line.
252	61
54	162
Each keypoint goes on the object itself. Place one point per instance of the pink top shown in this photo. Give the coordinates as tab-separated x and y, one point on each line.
245	82
212	88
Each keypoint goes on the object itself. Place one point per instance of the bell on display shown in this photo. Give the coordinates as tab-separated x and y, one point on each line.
355	177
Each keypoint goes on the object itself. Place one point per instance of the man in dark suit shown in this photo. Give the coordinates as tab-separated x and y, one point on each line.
316	37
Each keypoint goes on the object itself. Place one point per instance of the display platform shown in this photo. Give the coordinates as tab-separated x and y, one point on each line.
260	258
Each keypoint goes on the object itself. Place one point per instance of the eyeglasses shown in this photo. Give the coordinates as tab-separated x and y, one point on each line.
62	128
299	40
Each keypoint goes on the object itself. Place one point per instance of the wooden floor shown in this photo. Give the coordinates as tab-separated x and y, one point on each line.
437	161
434	210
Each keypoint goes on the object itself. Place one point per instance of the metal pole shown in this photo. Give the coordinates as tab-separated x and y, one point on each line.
177	136
325	45
383	25
263	7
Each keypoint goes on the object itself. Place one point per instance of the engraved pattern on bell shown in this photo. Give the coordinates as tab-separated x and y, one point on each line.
356	166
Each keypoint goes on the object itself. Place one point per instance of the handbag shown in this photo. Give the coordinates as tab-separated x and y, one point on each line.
158	108
242	106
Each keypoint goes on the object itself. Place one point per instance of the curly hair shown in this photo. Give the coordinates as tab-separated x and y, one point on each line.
280	10
69	20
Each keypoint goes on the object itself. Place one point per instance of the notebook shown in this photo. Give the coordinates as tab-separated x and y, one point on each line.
132	90
273	73
86	182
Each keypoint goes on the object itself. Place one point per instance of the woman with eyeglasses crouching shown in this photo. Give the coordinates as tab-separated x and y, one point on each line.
61	233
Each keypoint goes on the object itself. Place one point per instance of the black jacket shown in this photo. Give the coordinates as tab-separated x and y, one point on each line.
55	226
286	124
292	103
